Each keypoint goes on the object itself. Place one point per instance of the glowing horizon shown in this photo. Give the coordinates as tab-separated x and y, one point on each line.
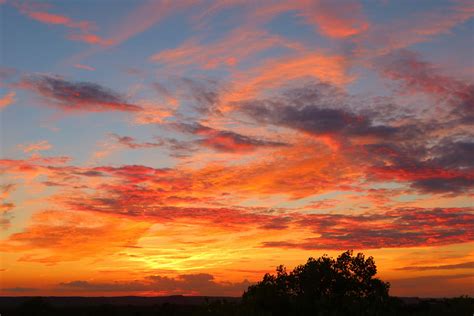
189	147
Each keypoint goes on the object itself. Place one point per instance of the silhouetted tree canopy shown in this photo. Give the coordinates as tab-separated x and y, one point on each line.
323	286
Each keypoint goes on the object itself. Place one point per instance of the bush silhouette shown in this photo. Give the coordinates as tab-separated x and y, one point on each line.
323	286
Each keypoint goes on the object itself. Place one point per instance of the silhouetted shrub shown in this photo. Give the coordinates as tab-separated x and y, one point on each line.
323	286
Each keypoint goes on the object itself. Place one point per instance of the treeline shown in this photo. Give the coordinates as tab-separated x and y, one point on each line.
462	306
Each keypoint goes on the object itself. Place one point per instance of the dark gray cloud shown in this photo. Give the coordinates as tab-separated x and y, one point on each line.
454	154
19	289
132	143
321	109
456	184
225	141
446	168
80	96
203	93
197	284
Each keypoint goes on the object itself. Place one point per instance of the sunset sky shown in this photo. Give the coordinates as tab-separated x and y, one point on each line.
190	146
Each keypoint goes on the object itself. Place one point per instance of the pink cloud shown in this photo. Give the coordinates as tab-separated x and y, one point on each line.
35	12
85	67
7	99
38	146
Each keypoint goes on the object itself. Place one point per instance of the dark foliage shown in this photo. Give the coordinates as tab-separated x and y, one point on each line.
323	286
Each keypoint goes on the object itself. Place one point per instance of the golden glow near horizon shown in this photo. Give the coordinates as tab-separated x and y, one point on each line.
144	155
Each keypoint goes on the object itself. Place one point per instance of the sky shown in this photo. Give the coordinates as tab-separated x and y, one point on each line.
189	147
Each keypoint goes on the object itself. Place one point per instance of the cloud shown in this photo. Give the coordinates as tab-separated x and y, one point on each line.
85	67
6	207
37	146
203	93
319	121
36	12
144	16
454	97
463	265
417	75
398	228
429	169
49	18
458	184
126	198
152	115
337	20
416	27
7	99
303	175
77	96
89	38
322	109
185	284
50	233
240	45
6	215
19	289
388	145
164	92
277	72
454	154
226	141
131	142
332	19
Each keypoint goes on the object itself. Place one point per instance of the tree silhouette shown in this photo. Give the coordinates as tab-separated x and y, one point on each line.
323	286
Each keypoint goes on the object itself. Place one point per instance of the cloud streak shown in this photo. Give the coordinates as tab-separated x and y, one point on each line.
77	96
185	284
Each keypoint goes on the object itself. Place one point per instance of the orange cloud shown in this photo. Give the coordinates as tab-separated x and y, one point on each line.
239	45
332	19
55	236
5	206
280	71
336	19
